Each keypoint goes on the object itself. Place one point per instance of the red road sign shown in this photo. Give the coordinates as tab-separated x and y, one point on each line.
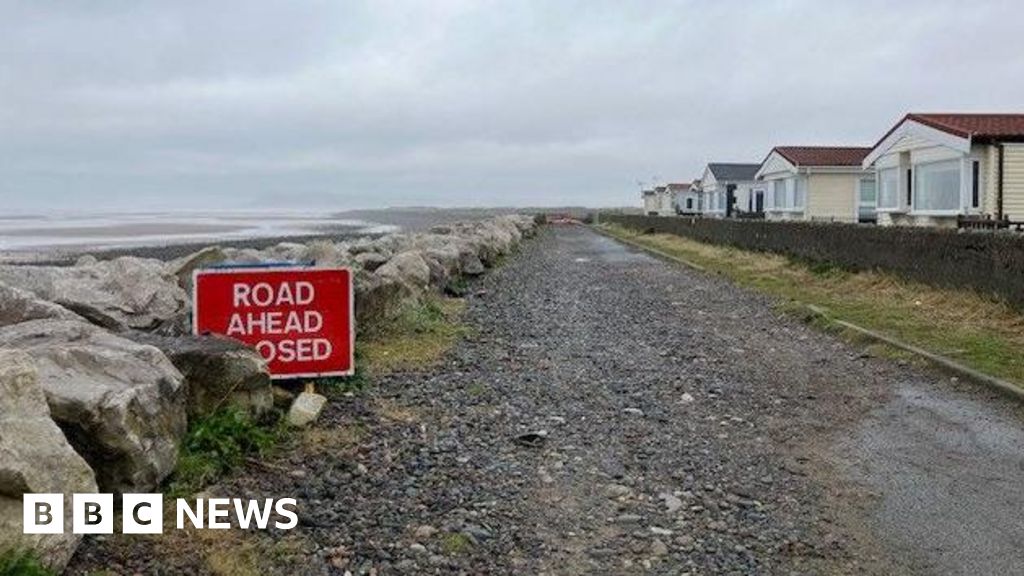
300	319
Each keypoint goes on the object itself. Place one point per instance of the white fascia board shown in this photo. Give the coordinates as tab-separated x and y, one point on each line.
911	127
775	163
708	179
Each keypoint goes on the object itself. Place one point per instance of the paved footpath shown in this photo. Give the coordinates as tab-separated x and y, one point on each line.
668	422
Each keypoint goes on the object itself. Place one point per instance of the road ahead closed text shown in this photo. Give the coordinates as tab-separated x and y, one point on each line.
300	320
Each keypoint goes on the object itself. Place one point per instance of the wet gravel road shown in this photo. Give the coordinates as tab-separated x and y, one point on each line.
615	414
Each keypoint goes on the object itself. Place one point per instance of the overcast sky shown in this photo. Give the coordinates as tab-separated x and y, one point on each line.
138	105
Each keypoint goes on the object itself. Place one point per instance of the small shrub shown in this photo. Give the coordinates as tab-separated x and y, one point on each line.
456	287
219	443
22	563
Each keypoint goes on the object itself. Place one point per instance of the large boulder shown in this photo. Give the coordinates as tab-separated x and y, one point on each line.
325	254
120	403
122	293
35	457
183	268
219	372
377	298
18	306
409	268
370	261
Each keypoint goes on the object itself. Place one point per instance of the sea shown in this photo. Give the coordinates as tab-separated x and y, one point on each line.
29	237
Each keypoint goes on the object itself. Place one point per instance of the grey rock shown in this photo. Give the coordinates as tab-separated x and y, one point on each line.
378	298
371	261
617	491
424	532
470	265
127	292
120	403
183	268
219	372
17	305
306	409
35	457
672	503
408	268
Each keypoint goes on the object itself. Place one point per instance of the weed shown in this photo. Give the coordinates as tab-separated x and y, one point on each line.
22	563
219	443
455	543
457	287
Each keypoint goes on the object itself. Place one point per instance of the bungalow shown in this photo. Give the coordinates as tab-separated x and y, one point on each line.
826	183
686	198
730	188
933	169
658	201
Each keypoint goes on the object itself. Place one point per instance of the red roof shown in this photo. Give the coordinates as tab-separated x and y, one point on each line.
823	155
977	127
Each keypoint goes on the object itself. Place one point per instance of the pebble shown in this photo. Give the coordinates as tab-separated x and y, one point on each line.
672	502
425	531
617	491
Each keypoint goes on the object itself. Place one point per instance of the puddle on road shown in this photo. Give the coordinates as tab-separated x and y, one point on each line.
592	246
948	471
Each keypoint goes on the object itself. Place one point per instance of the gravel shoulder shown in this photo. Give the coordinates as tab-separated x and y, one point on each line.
615	414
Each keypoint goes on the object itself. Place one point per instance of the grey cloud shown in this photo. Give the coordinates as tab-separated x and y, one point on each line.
336	104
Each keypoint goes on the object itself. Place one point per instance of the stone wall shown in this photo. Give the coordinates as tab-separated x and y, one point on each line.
988	263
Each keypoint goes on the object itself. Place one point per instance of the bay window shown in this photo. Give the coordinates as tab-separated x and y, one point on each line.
937	186
888	189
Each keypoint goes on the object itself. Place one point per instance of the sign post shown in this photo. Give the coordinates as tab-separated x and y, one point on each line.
300	320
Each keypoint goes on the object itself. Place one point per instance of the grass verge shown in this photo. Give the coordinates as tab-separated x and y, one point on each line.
417	337
982	333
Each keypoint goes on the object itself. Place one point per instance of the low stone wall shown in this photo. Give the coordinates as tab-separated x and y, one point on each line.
988	263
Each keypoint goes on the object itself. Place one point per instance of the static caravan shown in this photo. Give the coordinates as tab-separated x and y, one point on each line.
941	169
729	189
819	183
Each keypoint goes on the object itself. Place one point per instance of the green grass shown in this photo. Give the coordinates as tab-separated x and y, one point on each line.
218	444
980	332
455	543
22	563
417	337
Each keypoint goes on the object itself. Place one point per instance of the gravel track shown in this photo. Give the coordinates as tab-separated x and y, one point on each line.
682	426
